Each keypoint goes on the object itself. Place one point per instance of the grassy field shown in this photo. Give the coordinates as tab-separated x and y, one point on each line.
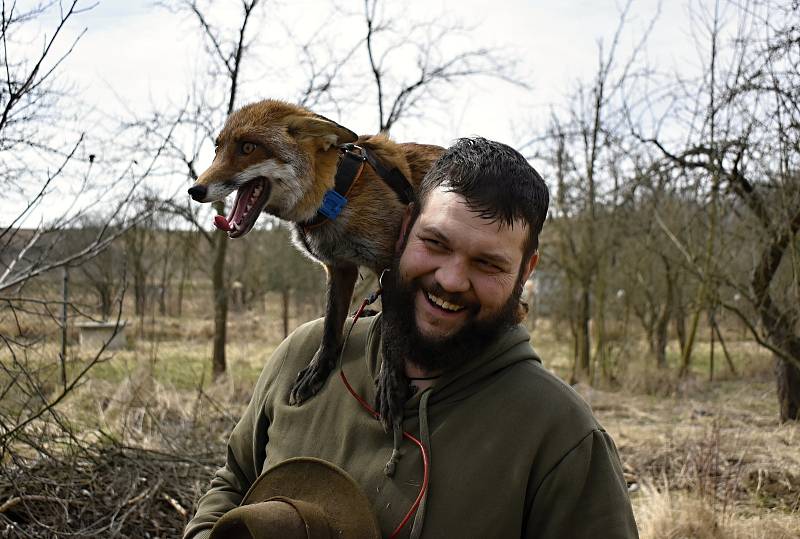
704	458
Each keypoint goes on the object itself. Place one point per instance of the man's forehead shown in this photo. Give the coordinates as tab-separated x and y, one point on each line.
450	212
442	199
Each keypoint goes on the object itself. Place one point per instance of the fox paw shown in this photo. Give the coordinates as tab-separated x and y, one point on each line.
311	379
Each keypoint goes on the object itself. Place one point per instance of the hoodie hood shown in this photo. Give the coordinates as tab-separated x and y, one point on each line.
512	346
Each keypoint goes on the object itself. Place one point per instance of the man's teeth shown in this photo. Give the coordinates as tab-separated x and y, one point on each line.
446	305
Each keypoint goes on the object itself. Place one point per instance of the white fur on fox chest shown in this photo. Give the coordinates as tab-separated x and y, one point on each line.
329	243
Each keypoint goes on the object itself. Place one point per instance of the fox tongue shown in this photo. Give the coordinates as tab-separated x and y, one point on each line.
238	210
222	223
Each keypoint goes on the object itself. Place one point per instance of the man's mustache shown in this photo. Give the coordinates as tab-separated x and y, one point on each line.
450	297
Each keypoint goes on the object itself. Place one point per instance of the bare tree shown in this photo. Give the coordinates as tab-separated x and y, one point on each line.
400	94
227	57
588	152
65	183
743	151
103	273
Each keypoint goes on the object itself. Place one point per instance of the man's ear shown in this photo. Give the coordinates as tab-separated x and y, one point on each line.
404	229
530	265
329	132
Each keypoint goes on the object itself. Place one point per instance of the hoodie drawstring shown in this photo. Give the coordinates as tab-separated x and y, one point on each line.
426	465
425	438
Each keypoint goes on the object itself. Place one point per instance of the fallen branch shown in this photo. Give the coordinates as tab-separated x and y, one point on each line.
16	500
174	503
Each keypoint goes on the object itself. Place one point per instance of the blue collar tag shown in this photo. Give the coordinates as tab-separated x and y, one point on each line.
332	204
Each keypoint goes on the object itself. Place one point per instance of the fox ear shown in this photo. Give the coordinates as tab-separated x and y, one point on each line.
328	131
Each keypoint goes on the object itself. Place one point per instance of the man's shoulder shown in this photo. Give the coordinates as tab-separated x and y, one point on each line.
533	391
301	345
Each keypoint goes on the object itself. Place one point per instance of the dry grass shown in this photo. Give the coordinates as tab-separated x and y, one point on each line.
665	514
708	459
723	464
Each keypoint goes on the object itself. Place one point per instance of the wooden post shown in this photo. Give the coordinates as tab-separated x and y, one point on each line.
65	299
711	357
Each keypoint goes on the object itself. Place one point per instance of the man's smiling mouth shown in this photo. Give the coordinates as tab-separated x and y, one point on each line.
444	304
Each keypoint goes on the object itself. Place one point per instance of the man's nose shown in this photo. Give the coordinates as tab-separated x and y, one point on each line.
452	276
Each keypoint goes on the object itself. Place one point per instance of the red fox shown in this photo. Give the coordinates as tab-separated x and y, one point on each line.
344	194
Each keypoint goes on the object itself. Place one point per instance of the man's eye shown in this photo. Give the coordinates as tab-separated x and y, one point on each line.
489	267
433	244
248	147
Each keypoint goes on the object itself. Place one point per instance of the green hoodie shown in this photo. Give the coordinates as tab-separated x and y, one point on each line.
514	451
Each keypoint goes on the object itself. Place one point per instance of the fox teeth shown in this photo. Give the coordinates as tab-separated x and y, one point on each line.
446	305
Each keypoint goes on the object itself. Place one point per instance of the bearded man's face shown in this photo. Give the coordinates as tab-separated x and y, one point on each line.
455	286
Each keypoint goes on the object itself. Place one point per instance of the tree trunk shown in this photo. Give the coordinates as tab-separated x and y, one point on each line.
165	273
780	326
584	338
105	301
181	285
711	349
788	379
662	323
185	273
139	291
652	339
285	296
162	299
220	290
601	347
679	317
661	341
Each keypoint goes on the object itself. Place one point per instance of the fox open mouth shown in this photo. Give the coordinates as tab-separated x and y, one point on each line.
250	201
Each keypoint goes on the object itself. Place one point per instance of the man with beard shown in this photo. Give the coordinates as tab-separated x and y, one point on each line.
505	448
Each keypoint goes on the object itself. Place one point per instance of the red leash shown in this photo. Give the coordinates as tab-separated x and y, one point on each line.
371	410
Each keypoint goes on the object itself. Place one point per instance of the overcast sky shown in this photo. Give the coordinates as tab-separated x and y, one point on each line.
135	56
145	53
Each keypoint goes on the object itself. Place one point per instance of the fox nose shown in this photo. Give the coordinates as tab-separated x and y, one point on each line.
198	192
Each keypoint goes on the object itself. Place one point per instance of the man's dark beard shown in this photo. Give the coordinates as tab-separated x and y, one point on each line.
402	340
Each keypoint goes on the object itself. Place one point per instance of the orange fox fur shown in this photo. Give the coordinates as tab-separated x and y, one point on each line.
282	159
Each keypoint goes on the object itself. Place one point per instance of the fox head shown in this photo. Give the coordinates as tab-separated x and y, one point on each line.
280	158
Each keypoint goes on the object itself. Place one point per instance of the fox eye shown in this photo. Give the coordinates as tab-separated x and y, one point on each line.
247	147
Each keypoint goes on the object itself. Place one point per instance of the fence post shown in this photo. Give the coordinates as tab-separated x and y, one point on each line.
65	291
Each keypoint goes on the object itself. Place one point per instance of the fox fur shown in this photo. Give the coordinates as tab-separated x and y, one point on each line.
281	159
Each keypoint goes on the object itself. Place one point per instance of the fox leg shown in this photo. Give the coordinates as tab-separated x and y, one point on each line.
341	282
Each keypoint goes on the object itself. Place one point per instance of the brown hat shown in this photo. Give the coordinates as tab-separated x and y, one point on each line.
304	498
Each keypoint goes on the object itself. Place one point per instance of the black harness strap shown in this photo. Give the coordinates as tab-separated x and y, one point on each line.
351	163
393	178
347	171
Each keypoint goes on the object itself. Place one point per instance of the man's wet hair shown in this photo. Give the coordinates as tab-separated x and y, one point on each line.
497	182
